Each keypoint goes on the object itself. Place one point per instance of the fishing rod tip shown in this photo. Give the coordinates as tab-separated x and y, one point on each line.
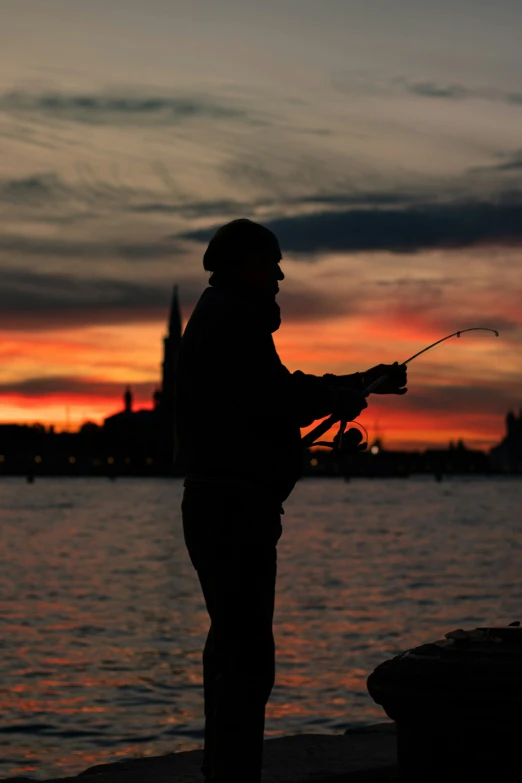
497	334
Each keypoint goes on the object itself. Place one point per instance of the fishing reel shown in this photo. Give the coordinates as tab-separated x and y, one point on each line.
346	443
350	442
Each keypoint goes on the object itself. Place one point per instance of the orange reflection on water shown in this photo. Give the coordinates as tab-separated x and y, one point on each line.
276	710
365	570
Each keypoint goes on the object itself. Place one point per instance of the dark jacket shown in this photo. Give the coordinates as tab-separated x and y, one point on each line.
238	409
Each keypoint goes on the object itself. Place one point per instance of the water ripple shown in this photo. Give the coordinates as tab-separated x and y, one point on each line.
103	622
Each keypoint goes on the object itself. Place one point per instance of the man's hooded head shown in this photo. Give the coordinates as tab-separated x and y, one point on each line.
244	252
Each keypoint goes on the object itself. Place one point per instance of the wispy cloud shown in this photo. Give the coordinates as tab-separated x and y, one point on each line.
46	197
118	109
459	92
509	161
433	90
37	188
89	194
380	84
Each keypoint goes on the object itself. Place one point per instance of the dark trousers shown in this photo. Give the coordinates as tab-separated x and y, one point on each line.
231	537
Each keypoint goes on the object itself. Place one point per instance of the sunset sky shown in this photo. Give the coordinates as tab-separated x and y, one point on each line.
381	141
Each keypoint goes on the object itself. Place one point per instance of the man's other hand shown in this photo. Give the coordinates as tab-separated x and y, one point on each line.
347	403
395	382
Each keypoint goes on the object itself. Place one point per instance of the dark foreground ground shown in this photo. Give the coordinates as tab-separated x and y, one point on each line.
361	756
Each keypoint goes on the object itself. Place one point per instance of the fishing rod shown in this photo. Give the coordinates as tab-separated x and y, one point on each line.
310	438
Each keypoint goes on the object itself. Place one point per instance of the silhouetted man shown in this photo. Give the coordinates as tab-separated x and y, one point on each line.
238	417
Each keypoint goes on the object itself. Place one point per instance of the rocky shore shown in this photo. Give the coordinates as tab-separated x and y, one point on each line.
360	755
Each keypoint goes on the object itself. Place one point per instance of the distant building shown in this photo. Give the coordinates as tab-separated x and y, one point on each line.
154	426
507	456
378	461
130	442
143	442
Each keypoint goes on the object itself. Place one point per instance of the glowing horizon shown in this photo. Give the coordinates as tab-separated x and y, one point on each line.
397	421
382	148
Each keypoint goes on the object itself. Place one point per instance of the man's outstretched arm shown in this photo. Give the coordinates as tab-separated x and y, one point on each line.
343	390
260	382
317	396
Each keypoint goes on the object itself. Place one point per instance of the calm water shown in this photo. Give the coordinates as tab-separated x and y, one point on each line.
103	623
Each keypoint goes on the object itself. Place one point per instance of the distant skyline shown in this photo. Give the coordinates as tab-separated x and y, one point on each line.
381	142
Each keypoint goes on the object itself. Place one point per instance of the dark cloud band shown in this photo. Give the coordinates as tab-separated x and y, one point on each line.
412	229
72	386
32	301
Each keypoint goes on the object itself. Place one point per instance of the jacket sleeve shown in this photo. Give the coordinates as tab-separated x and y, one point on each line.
253	380
313	395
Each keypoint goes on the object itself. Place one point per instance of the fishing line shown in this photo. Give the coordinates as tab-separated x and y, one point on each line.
309	439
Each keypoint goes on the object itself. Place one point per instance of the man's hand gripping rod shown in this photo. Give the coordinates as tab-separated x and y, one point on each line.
309	439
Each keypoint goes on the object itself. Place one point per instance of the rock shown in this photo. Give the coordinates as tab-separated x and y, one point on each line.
380	728
367	754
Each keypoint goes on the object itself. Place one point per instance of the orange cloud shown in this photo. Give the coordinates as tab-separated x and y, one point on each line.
461	390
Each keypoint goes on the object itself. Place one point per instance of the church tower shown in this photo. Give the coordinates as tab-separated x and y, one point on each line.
127	400
171	348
